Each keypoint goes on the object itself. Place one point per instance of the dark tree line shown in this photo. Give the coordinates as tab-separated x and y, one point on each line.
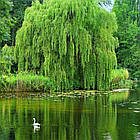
11	18
128	19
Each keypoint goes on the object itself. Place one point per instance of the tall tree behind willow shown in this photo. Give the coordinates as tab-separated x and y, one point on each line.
128	19
17	13
69	41
5	21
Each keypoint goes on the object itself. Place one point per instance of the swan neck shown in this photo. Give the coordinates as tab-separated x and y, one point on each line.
34	121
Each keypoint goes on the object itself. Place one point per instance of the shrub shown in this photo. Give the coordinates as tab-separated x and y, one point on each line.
119	78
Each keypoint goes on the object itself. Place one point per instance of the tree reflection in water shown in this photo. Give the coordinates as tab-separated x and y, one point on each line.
96	117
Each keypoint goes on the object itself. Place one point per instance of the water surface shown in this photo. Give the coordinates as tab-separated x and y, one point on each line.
106	116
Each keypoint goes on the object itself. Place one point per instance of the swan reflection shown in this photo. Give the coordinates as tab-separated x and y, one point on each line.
36	128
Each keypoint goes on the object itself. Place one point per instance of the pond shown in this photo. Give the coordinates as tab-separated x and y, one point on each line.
106	116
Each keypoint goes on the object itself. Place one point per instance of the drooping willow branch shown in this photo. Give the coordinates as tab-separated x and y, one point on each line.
69	41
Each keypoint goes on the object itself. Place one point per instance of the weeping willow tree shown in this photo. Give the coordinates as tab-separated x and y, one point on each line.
69	41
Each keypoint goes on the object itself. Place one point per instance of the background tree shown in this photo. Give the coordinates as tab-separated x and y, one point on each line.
69	41
13	10
128	19
17	14
5	23
5	20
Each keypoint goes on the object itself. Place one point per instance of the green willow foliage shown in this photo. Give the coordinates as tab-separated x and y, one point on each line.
69	41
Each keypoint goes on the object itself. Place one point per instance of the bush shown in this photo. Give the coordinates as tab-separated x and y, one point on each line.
119	78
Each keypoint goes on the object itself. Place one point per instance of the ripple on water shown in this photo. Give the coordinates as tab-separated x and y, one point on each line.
136	111
137	108
135	125
107	136
138	136
130	108
134	102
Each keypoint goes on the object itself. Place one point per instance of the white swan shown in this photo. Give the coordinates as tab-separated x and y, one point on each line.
36	124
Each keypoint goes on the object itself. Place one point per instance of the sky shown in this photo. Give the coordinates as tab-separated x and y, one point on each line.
109	7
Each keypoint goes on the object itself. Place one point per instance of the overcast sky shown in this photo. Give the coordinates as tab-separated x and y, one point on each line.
109	7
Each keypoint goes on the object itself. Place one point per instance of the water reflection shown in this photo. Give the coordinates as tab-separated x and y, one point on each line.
12	134
36	128
98	117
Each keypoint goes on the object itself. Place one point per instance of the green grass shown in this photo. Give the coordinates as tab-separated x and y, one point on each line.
29	81
26	81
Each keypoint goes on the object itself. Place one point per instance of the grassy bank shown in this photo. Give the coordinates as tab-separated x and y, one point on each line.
30	81
25	81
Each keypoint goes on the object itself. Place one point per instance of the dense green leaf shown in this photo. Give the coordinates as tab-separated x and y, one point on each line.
69	41
128	52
